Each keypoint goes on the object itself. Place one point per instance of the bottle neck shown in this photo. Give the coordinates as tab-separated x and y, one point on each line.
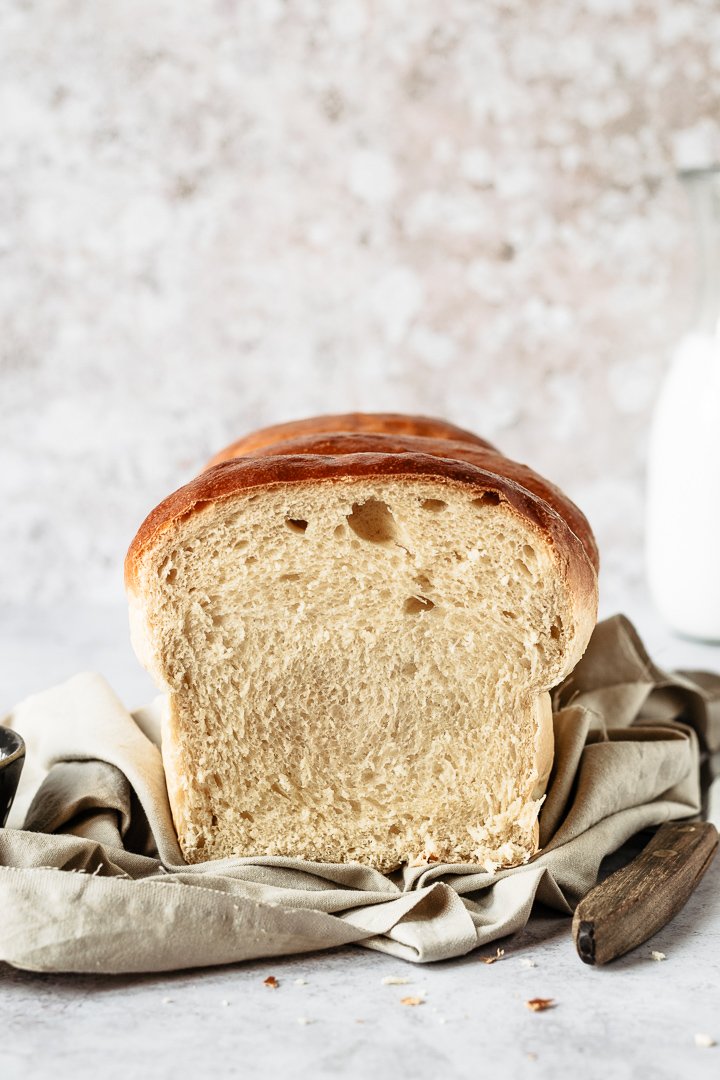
703	190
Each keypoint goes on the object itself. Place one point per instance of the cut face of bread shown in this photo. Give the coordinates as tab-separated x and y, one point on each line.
357	652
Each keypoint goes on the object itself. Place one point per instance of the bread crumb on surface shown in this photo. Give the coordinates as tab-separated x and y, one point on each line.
225	1002
540	1004
658	955
272	982
305	1020
527	962
394	980
411	1001
301	982
491	959
167	1001
704	1040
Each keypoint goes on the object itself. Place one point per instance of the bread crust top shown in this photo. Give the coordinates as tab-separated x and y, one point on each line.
257	472
390	445
381	423
485	457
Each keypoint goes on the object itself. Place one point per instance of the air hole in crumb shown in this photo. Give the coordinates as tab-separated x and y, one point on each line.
290	577
373	521
213	821
434	505
555	631
409	669
529	553
171	575
296	525
250	560
509	614
393	830
245	815
423	581
523	568
415	604
339	532
489	498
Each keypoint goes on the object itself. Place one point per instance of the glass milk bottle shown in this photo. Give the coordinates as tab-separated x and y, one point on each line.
683	491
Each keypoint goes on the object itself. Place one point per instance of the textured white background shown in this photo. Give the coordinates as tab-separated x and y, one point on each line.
219	215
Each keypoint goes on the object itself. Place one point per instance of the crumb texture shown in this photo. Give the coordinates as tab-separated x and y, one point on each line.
356	670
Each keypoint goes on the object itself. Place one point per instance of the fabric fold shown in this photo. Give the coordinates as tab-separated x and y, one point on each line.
92	878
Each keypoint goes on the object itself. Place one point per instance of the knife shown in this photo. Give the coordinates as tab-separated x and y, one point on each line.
632	904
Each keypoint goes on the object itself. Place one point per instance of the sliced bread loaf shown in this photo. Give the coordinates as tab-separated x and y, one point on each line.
357	643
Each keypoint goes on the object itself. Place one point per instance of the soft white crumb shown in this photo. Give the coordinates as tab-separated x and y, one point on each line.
658	955
301	982
225	1002
527	962
394	980
442	1020
305	1020
167	1001
701	1039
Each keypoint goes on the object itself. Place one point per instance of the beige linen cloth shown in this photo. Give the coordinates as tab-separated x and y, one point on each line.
94	881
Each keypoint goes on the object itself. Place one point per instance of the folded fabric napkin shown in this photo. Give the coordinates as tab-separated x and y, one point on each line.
94	880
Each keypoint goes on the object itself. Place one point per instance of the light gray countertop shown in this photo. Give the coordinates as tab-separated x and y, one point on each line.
638	1017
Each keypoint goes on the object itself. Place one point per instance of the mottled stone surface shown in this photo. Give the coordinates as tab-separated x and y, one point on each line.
225	214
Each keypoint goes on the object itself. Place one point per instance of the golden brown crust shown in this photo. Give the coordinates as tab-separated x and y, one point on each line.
258	472
483	456
387	423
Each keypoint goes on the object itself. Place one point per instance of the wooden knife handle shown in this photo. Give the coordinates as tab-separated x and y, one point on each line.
635	902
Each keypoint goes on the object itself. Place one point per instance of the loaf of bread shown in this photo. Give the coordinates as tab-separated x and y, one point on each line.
357	620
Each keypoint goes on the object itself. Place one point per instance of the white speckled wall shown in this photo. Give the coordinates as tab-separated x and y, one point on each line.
219	215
